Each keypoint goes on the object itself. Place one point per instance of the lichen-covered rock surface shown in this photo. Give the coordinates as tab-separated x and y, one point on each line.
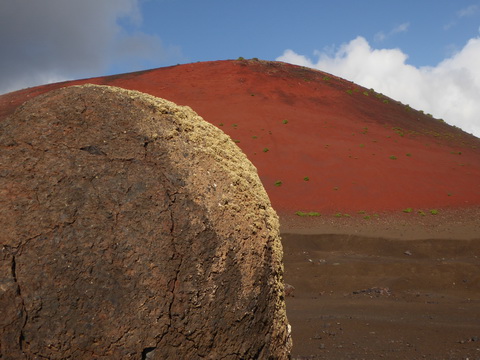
132	228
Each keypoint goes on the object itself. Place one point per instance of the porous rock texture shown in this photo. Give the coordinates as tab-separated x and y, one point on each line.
132	228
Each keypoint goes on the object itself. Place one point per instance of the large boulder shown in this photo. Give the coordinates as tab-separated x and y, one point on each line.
132	228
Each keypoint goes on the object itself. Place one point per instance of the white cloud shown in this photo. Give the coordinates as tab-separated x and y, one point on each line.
449	90
381	36
401	28
468	11
52	40
462	13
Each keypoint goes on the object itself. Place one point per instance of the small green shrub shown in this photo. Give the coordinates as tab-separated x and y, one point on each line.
285	121
422	213
306	178
407	210
311	213
265	150
399	131
434	211
278	183
350	91
393	157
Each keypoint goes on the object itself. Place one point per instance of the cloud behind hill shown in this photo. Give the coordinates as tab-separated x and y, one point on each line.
450	90
52	40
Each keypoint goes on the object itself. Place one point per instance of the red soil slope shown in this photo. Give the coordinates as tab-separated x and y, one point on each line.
320	143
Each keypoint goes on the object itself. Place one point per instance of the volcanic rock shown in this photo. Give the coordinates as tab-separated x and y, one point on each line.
132	228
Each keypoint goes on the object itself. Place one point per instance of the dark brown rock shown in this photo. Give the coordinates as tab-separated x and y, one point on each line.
131	228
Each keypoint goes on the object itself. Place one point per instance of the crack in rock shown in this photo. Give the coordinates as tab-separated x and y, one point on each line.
21	337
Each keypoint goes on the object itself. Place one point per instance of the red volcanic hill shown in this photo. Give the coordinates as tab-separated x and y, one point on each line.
320	143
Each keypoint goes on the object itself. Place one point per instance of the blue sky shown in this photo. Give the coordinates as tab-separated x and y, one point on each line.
210	30
422	52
